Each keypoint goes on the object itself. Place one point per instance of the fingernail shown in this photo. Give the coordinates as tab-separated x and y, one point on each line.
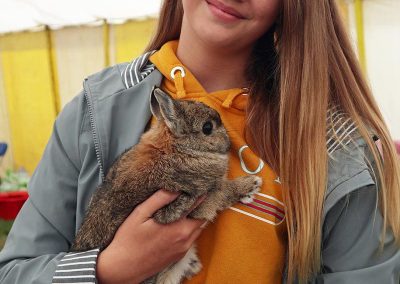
171	193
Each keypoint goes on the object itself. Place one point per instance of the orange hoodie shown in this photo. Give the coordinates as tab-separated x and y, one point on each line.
246	243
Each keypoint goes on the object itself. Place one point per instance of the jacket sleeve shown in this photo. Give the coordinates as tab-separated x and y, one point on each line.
45	227
351	241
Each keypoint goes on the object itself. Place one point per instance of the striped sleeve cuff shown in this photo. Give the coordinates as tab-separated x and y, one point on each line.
78	267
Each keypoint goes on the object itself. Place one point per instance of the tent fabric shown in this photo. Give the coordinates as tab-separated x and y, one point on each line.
382	45
78	52
20	15
5	136
16	16
29	94
75	61
381	30
131	38
47	74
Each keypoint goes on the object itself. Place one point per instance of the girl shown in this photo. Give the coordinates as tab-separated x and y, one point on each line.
286	83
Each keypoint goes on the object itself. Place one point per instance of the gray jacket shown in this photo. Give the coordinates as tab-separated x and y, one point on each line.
109	116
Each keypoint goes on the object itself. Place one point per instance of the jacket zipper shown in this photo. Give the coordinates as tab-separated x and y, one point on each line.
93	126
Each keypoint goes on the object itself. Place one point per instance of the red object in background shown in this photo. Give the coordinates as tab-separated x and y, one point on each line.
397	144
11	203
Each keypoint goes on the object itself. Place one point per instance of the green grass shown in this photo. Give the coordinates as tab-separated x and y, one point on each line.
5	227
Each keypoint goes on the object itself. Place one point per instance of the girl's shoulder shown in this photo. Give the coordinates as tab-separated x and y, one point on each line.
120	77
350	161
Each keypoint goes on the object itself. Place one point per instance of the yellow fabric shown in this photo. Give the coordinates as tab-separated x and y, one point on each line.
54	70
246	244
359	15
28	86
79	52
131	38
106	43
7	161
36	66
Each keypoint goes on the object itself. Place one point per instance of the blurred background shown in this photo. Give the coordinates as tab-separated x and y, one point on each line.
48	47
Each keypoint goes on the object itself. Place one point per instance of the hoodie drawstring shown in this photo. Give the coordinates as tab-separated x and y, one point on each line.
227	103
177	74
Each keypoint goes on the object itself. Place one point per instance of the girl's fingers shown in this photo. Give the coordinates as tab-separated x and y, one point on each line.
158	200
197	203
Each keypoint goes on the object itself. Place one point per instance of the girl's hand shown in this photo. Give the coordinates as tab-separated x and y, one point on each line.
141	247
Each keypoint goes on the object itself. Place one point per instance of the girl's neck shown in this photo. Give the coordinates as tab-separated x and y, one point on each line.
214	68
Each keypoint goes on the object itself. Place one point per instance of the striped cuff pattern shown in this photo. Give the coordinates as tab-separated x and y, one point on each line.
77	268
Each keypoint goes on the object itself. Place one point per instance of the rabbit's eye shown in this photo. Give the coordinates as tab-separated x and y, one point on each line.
207	128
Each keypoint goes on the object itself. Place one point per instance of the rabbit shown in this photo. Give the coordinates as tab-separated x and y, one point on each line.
185	151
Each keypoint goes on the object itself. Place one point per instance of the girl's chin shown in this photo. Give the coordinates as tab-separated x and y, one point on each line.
219	37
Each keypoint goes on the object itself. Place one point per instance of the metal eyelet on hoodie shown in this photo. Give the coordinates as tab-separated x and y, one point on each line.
178	81
177	68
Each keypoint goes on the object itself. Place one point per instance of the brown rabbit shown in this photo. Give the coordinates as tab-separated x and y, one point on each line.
186	151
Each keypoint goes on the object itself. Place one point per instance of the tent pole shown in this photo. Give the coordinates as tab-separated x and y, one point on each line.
53	70
359	15
106	42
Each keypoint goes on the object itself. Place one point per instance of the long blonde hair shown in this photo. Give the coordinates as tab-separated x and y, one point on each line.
309	66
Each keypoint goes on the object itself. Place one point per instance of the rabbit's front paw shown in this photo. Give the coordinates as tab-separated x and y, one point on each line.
255	186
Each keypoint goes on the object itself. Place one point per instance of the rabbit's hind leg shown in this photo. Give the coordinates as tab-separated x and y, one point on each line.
187	267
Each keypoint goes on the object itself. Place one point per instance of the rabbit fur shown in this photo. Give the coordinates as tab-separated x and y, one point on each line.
185	151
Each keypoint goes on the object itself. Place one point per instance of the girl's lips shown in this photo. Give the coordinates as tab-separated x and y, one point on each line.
224	12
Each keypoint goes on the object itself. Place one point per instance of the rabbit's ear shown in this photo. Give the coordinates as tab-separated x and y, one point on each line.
154	105
163	107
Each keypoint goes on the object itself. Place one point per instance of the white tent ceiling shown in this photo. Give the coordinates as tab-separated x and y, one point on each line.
19	15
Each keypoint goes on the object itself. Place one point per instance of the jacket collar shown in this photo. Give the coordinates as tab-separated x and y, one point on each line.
118	115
